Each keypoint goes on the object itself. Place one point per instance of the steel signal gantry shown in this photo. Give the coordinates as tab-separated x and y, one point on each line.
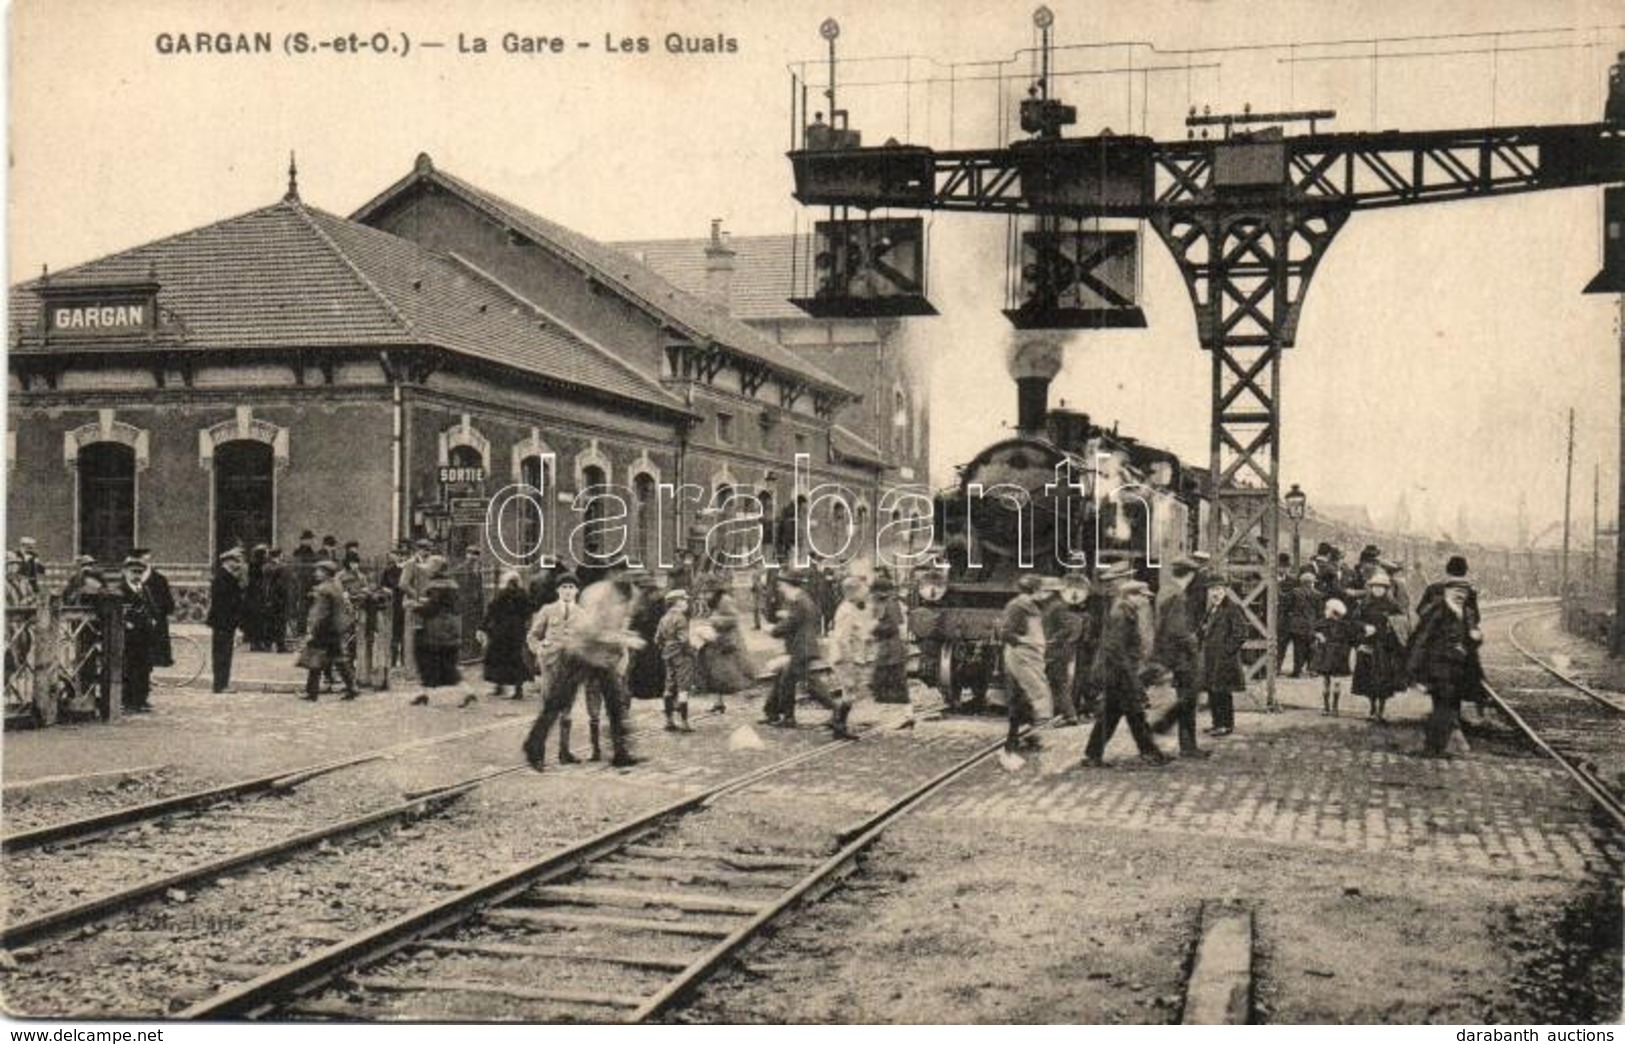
1248	219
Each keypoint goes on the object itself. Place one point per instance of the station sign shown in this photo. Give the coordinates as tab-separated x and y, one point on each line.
468	511
464	476
108	311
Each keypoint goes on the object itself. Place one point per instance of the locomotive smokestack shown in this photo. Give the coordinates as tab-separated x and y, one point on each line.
1032	403
1033	362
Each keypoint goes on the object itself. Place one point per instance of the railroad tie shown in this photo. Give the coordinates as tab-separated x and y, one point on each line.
493	989
542	953
640	924
738	860
584	896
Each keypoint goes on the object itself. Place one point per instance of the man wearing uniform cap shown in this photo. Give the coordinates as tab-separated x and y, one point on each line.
140	636
1120	663
227	593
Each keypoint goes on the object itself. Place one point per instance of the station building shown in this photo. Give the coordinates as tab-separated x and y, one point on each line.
386	375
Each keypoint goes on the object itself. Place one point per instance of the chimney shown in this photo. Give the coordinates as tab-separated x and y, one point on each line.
1032	402
719	268
1033	362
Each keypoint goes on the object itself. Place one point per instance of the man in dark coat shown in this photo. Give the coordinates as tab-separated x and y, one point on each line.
330	633
1455	570
163	603
1301	606
1222	633
800	624
390	582
1120	663
303	563
1442	658
140	636
274	612
1175	647
227	596
258	599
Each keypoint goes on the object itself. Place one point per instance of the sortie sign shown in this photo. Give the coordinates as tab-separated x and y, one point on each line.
452	476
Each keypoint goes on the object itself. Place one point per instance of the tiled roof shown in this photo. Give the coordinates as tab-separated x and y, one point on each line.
291	276
760	287
638	282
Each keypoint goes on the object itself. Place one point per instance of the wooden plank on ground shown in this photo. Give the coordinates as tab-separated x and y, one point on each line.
1220	986
741	860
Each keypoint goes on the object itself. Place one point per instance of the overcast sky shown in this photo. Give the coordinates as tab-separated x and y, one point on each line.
1440	346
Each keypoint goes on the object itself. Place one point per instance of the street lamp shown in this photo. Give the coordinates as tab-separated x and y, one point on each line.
1295	502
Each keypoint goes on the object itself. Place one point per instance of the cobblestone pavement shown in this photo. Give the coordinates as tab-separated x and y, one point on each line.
1306	780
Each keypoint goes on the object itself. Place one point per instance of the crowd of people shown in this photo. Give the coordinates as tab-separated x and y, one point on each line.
1358	625
1076	648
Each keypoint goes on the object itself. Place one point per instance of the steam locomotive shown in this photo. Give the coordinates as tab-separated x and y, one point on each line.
1063	498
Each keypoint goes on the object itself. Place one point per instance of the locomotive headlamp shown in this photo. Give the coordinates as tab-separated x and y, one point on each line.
932	586
1074	589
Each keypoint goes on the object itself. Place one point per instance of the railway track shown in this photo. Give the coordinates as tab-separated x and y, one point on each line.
621	926
1580	728
109	822
127	856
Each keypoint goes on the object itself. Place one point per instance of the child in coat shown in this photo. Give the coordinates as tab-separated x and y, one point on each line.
1333	644
678	657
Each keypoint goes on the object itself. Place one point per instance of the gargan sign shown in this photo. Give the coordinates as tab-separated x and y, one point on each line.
81	313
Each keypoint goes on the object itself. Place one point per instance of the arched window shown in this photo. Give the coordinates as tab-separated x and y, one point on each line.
536	519
863	538
106	500
463	537
244	494
646	519
593	535
770	526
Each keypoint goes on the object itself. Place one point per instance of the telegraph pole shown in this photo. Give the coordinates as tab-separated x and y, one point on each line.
1568	489
1616	639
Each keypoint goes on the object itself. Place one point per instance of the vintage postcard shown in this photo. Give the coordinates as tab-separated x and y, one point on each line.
657	510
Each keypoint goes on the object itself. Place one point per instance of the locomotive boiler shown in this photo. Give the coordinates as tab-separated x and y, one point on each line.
1061	498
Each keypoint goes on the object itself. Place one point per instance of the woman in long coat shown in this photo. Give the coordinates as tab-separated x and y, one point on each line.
1379	652
442	631
507	619
725	665
1222	632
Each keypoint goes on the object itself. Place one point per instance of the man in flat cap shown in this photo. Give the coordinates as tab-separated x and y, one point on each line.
1121	662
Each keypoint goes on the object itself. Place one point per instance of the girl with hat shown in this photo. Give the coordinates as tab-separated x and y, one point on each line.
502	633
1333	643
1379	649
